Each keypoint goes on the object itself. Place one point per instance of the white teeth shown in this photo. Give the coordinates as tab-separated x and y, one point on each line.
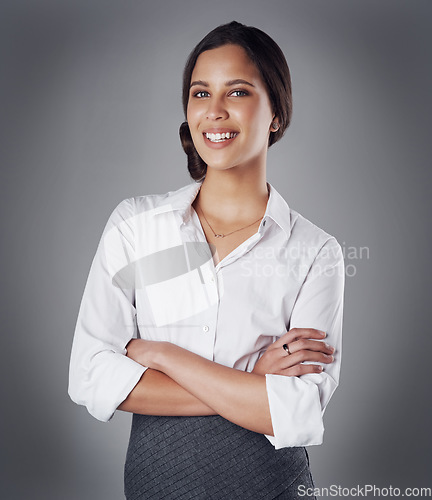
220	137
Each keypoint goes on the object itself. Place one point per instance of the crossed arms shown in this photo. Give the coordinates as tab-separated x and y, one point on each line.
179	382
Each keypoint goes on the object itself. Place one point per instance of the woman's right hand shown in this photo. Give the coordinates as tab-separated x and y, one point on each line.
287	354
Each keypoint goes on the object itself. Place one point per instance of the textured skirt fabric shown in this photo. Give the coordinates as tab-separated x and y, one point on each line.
209	458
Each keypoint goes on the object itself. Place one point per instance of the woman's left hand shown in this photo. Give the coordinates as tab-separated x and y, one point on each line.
287	355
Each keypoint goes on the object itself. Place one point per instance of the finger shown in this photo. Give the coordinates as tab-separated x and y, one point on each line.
305	355
299	333
310	345
298	370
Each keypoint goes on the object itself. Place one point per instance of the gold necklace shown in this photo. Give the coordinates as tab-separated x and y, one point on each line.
218	235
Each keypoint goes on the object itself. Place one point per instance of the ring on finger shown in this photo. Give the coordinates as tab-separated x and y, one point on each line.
286	348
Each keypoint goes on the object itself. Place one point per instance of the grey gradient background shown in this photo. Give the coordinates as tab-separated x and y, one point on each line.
90	110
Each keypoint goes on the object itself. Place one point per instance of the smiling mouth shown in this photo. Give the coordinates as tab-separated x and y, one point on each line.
224	136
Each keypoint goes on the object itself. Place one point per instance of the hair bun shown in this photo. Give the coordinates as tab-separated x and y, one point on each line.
196	166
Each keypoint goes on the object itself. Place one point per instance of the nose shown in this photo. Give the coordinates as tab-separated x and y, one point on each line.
216	109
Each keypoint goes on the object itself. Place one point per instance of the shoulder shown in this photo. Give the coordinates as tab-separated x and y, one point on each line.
301	233
312	240
154	201
304	229
151	203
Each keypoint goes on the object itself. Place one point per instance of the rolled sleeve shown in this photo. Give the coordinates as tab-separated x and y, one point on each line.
297	404
100	374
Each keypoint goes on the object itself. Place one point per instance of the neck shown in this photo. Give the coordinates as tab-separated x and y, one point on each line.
233	196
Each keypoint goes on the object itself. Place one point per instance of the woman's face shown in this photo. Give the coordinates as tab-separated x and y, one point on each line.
229	112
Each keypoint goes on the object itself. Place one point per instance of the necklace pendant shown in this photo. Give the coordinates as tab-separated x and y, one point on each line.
219	235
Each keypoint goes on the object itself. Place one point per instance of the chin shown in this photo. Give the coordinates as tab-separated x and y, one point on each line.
219	165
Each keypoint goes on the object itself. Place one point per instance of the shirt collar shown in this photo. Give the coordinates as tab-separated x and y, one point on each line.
182	199
278	210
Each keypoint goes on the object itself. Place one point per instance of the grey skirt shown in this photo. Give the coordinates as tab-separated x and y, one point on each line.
210	458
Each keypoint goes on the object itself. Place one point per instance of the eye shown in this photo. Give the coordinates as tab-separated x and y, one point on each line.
239	93
201	93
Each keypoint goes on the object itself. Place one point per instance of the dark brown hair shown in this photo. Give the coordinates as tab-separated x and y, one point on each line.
266	54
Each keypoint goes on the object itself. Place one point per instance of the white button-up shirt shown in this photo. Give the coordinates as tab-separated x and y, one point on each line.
153	276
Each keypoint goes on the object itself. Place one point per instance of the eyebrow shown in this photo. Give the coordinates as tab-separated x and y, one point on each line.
229	83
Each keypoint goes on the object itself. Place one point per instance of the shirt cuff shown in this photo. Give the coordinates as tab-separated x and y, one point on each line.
107	385
295	411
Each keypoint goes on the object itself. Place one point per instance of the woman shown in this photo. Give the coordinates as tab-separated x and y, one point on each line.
230	294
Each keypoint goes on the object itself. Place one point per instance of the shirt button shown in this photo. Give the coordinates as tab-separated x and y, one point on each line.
264	221
206	328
